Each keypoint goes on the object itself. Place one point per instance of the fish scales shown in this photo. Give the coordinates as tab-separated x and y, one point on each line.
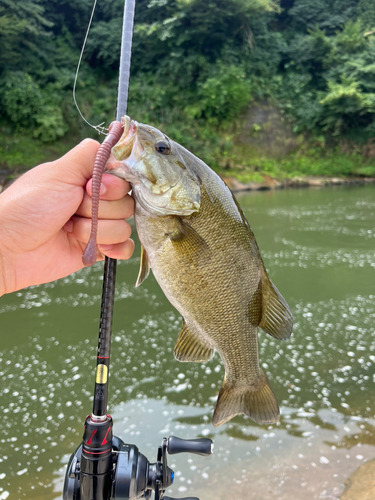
205	289
204	255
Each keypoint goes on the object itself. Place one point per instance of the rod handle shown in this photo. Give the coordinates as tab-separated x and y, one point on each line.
202	446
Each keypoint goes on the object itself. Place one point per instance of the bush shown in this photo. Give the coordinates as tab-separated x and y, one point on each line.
221	95
31	109
21	99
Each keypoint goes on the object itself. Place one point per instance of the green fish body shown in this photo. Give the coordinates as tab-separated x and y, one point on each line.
205	258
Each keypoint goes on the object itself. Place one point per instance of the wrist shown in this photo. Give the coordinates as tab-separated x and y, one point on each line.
2	275
6	268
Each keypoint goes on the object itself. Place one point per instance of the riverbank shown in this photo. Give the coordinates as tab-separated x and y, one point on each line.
236	186
268	183
258	151
295	182
361	485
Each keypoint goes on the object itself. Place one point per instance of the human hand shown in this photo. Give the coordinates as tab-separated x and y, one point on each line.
45	220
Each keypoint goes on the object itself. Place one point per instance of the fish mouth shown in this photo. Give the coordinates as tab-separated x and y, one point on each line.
122	150
126	152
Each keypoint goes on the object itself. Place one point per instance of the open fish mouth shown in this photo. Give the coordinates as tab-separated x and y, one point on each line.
122	150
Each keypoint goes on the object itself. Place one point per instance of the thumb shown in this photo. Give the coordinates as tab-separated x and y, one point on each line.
75	167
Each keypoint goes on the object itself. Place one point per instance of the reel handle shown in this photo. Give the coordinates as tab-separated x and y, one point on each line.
202	446
185	498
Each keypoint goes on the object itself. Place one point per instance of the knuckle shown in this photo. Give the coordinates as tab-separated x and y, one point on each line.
127	230
129	250
129	206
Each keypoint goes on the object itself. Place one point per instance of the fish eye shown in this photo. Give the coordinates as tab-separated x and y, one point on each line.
162	147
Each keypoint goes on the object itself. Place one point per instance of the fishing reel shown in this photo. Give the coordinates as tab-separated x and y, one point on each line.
126	474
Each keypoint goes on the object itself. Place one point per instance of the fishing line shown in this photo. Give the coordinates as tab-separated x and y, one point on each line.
99	128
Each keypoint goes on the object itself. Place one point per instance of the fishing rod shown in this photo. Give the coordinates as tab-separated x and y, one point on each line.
103	467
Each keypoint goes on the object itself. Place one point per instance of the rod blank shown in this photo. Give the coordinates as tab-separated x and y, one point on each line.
125	57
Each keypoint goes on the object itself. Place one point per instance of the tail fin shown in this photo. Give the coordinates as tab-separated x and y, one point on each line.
256	401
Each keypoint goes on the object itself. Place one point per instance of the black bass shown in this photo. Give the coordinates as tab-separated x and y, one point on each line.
203	254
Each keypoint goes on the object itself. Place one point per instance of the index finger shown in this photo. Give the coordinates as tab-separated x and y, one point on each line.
112	187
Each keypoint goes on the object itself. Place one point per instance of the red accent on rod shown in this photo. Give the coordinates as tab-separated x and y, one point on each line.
105	437
97	452
92	435
102	357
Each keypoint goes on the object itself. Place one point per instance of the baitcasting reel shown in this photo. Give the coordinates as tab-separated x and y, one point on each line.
125	474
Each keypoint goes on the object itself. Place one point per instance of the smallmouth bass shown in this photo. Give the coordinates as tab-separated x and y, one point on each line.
204	255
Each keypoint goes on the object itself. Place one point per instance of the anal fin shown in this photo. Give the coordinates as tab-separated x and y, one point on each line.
256	401
144	269
277	319
191	347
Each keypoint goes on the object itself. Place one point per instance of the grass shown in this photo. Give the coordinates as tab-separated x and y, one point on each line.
20	152
304	161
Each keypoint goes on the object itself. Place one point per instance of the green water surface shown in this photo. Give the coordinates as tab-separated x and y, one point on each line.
319	248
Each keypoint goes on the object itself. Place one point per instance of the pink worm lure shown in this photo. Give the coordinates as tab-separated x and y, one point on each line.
114	133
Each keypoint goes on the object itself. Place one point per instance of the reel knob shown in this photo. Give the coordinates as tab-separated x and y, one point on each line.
185	498
201	446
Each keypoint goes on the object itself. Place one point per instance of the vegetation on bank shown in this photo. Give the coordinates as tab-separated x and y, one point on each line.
304	162
196	66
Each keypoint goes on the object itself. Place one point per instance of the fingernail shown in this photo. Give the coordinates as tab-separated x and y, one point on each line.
105	248
68	227
103	189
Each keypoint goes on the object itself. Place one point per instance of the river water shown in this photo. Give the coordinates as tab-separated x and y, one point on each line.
319	248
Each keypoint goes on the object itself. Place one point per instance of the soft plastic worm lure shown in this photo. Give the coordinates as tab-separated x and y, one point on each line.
114	133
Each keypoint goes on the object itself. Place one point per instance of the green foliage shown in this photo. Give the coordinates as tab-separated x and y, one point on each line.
328	15
336	93
20	98
195	67
31	109
23	30
221	95
308	160
366	12
344	101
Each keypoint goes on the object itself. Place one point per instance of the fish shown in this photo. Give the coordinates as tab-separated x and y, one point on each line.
202	251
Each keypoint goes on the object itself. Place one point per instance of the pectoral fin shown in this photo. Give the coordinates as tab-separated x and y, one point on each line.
144	269
191	347
189	242
277	319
